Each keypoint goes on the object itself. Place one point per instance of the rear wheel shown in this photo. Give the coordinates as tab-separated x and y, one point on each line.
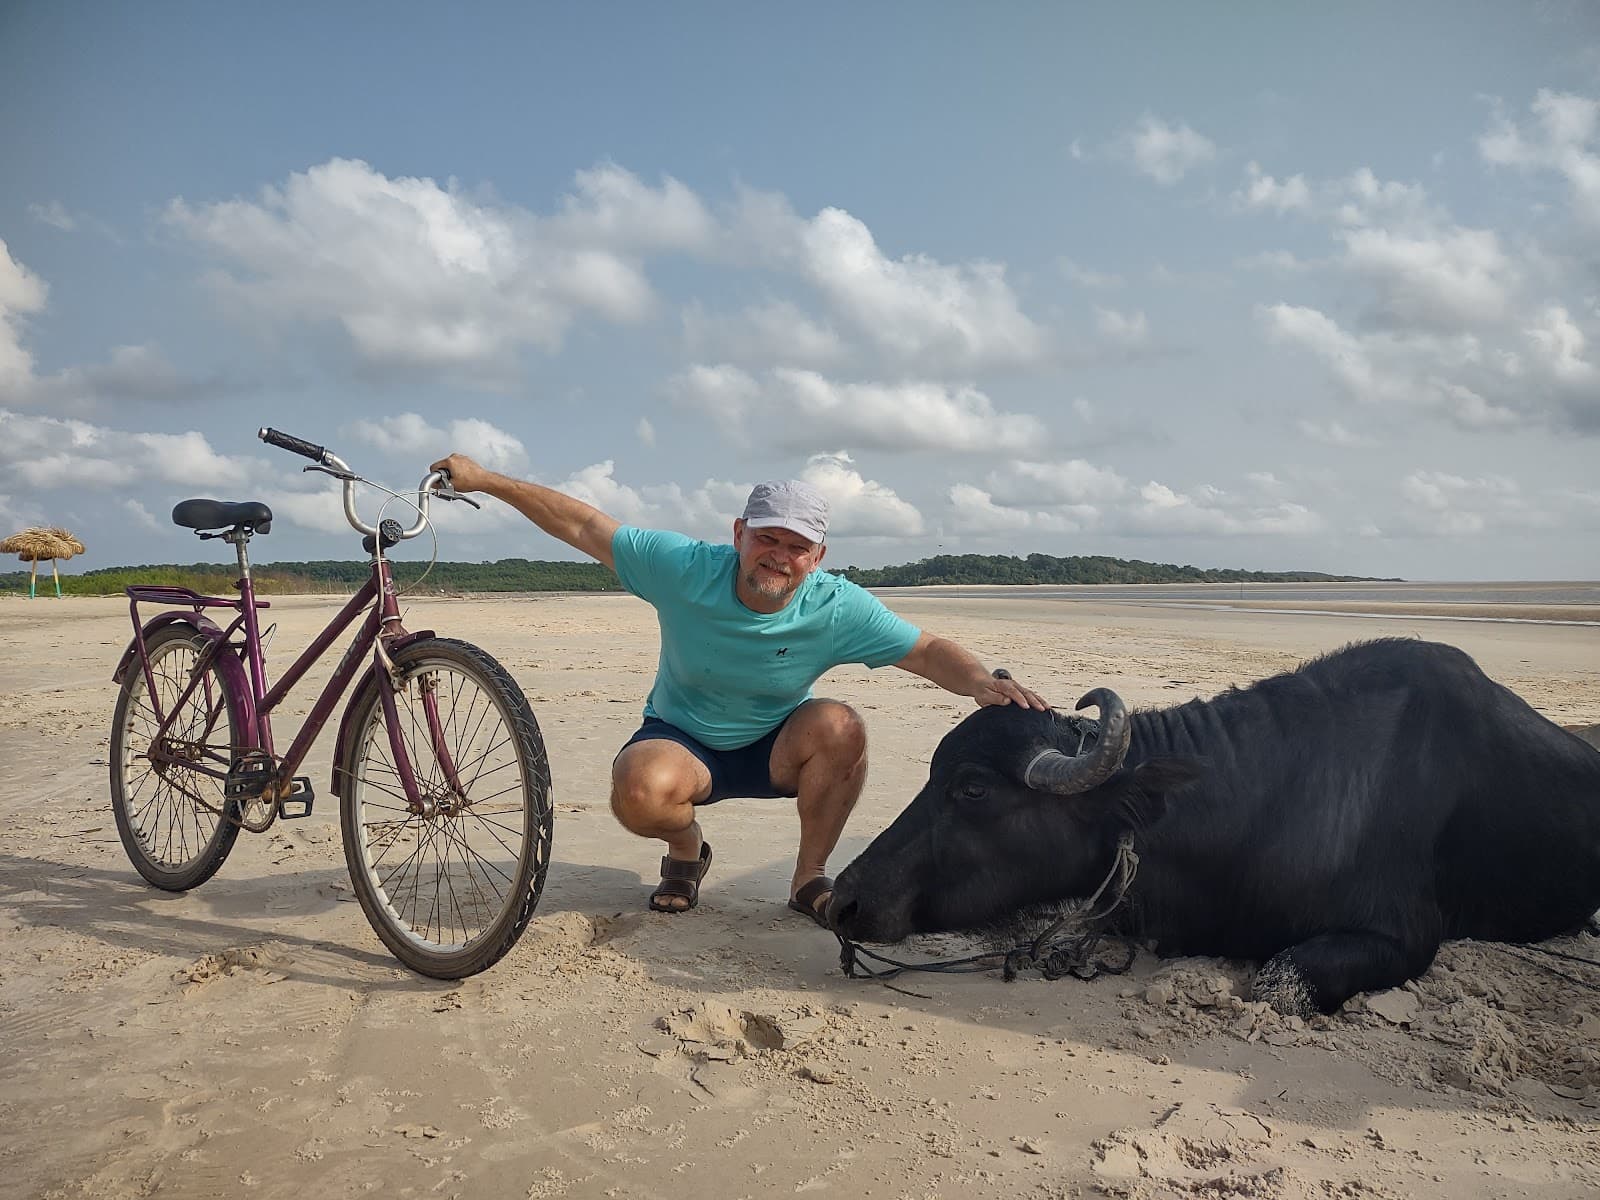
449	882
167	810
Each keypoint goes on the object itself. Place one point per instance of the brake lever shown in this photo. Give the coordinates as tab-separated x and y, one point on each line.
445	491
342	476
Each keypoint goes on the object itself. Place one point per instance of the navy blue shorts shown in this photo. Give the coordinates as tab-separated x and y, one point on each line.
746	771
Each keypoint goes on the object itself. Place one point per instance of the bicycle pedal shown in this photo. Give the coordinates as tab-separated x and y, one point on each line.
301	796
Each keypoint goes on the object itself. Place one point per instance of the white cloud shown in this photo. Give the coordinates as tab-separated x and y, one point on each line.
133	372
410	434
1123	329
725	393
1077	496
908	313
1334	433
321	509
21	293
47	452
1262	191
1561	346
1485	332
142	516
1021	483
914	307
1474	384
614	208
1088	278
422	275
859	507
1361	198
1355	200
18	514
707	511
44	452
1437	503
1448	279
1209	511
53	214
1167	152
974	512
1320	334
776	332
645	432
1564	136
806	409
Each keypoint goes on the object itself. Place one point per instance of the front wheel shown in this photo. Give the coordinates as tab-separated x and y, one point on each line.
448	882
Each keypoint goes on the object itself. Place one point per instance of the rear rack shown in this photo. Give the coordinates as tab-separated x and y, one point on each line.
158	593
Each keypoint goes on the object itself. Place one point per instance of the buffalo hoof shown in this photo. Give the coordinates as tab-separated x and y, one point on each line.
1283	985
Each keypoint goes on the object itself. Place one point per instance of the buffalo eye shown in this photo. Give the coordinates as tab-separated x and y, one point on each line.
974	790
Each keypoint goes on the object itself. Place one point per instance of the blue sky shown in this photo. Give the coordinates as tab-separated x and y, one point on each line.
1240	285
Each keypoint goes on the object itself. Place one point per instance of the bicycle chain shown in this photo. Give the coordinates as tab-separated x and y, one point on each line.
238	806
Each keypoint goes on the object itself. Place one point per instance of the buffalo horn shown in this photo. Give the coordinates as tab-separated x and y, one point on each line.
1067	774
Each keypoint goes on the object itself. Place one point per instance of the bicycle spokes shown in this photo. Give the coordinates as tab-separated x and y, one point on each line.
446	860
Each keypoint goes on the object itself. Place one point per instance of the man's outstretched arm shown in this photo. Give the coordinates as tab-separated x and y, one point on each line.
579	525
957	669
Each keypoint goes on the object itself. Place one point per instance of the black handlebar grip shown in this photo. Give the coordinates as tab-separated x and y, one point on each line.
287	441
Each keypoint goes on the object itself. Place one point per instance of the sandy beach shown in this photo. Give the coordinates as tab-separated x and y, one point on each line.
254	1038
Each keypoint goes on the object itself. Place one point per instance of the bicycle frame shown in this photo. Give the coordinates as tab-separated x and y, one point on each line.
242	665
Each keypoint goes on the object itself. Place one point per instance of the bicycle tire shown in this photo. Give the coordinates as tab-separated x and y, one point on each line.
448	892
171	840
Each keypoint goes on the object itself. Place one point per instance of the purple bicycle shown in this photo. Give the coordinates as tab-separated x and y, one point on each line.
439	769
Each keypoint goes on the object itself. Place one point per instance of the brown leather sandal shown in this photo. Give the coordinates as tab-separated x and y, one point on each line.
805	900
680	880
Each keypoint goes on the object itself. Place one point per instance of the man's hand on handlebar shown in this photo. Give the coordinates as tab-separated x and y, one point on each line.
465	475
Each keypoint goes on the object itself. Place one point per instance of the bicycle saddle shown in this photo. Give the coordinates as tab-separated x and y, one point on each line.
217	514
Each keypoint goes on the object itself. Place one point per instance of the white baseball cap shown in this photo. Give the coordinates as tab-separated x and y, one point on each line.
788	504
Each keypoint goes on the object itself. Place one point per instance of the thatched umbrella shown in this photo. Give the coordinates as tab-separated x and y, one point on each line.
36	545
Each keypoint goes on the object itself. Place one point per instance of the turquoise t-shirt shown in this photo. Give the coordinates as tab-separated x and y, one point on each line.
728	676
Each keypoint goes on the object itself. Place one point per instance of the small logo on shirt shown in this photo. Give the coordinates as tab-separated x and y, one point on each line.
782	652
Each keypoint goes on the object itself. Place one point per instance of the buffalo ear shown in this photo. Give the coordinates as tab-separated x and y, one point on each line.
1153	781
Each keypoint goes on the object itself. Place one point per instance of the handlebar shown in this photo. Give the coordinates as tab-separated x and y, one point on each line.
434	483
286	441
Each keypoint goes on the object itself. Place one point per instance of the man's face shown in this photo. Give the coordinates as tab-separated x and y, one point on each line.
774	561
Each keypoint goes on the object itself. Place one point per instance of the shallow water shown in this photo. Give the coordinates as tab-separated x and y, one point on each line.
1516	593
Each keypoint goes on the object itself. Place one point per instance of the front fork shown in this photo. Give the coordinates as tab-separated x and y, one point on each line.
419	802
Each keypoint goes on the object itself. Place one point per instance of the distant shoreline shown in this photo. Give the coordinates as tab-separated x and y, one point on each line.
1509	602
1528	601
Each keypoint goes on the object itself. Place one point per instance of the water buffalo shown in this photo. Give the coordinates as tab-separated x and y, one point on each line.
1334	823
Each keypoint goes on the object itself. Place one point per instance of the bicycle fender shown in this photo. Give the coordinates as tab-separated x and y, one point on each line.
228	665
202	624
367	680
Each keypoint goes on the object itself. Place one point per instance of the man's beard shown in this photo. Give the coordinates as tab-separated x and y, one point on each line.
772	590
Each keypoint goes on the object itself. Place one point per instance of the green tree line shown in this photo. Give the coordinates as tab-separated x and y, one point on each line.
1010	570
334	575
529	575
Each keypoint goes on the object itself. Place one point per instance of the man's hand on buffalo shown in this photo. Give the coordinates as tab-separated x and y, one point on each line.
957	669
1000	688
